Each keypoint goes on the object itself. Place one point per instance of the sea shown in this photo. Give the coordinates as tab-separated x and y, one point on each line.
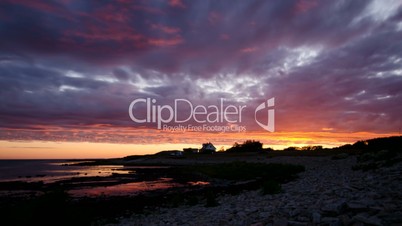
50	171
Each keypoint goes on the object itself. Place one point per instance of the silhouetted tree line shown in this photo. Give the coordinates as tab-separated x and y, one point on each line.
246	146
376	144
392	144
305	148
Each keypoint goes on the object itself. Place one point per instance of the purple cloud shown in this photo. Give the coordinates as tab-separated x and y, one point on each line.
329	64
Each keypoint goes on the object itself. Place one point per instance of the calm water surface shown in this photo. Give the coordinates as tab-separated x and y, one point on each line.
49	171
52	170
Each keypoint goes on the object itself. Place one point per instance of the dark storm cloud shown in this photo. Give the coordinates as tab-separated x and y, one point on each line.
74	63
205	37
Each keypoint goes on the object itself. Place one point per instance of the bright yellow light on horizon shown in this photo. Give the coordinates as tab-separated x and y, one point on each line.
79	150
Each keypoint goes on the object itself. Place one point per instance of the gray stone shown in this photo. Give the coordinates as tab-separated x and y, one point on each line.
368	220
241	214
264	214
358	224
394	218
335	207
297	223
316	217
294	212
280	222
223	222
302	219
354	205
331	221
345	219
257	224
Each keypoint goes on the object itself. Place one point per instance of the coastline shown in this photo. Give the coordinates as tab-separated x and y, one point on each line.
329	192
325	187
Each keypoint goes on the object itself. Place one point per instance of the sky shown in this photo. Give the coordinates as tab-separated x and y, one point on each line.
70	69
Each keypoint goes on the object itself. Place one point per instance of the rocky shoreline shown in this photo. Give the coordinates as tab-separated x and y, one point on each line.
329	192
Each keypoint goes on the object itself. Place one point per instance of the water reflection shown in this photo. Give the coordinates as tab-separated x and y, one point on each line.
49	171
92	171
132	188
91	180
195	183
125	189
56	172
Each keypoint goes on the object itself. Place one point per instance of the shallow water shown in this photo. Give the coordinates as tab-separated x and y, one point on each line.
49	171
125	189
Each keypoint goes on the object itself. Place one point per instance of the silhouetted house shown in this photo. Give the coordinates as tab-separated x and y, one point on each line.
208	148
190	150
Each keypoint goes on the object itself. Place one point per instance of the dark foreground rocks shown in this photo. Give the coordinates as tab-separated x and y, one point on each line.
329	192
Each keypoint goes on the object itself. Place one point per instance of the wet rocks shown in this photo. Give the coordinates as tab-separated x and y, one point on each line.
329	192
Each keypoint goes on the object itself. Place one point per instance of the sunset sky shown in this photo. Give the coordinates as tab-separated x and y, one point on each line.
69	70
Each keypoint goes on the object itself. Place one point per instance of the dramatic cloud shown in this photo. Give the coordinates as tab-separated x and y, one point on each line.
70	69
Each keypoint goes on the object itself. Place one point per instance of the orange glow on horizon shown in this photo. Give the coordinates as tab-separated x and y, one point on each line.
178	141
76	150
